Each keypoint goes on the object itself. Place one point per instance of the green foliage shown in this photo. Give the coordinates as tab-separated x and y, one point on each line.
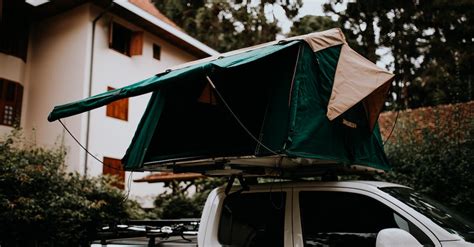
228	25
41	205
203	188
179	204
431	43
311	23
431	151
136	212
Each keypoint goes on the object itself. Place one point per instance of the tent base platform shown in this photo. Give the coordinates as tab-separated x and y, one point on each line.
269	166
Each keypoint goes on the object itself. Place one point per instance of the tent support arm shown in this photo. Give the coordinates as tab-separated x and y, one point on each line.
243	184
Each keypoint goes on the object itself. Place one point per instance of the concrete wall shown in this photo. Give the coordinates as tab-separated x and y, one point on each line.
57	64
57	71
110	137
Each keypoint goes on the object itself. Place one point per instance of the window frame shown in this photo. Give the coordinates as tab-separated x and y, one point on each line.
134	40
156	47
288	214
14	29
297	226
16	103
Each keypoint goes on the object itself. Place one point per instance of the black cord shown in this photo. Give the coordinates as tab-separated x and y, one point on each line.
393	127
129	182
238	120
87	151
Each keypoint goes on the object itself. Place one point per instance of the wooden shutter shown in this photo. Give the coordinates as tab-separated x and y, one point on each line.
1	10
17	104
136	43
114	167
118	109
11	96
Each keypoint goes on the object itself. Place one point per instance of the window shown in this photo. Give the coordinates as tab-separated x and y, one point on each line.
118	109
114	167
253	219
11	95
156	52
124	40
451	221
14	28
348	219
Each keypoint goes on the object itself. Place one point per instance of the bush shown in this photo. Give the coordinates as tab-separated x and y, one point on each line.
179	204
136	212
41	205
431	151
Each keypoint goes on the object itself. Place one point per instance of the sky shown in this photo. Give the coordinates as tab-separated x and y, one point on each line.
315	7
310	7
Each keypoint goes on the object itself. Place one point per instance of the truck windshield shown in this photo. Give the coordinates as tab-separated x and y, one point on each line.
444	217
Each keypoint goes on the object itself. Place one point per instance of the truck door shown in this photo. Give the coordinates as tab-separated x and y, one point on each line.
256	218
343	217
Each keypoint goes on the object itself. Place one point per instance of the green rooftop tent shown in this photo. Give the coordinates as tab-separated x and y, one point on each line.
304	102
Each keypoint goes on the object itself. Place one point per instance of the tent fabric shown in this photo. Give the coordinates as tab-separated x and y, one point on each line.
191	129
312	134
356	78
324	39
155	82
309	97
317	40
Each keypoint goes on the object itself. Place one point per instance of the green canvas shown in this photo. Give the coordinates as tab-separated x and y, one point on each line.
279	93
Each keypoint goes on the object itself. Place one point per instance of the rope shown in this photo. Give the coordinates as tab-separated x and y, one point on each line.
128	183
393	127
84	148
238	120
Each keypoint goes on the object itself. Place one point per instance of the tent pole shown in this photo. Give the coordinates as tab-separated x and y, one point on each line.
294	75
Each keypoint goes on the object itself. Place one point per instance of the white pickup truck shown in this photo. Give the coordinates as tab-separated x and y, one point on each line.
351	213
311	213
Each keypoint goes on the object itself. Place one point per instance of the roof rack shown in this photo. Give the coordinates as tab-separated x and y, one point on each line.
150	229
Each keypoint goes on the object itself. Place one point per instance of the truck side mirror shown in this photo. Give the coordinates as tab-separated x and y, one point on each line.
395	237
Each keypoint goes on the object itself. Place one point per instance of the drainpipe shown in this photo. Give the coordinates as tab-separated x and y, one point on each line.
91	70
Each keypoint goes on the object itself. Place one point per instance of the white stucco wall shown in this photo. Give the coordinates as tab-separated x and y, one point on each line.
110	137
57	73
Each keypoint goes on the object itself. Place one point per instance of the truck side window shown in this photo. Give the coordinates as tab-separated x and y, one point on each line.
348	219
252	219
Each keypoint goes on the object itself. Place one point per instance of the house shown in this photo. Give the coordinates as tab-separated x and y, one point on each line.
53	52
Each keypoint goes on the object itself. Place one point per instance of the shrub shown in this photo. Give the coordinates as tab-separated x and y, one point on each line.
180	204
42	205
431	151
